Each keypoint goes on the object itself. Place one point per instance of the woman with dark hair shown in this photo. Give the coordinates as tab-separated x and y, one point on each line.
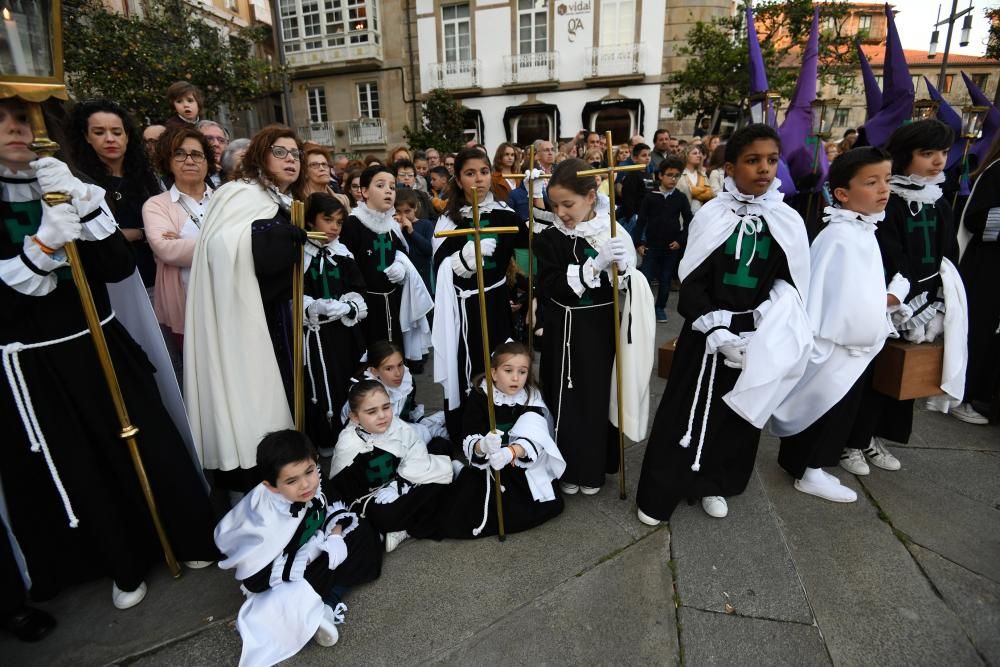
503	162
457	330
74	510
173	220
107	147
238	324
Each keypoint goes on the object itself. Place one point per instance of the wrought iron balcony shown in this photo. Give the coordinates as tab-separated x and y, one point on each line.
530	68
611	61
334	49
455	75
359	132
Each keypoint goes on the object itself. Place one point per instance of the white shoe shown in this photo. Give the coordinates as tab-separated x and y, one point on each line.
966	413
197	564
127	599
833	478
817	483
327	634
393	540
646	519
880	457
853	461
715	506
569	489
590	490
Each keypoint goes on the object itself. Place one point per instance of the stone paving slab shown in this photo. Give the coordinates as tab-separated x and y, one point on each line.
711	638
872	603
972	474
959	528
620	612
741	560
935	430
974	599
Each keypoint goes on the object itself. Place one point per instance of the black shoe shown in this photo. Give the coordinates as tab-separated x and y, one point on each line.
29	624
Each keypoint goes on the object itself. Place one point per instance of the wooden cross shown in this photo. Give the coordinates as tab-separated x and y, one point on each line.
477	233
529	317
611	171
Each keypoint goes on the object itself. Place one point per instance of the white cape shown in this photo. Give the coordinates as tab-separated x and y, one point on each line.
847	312
549	465
638	342
232	384
416	464
956	331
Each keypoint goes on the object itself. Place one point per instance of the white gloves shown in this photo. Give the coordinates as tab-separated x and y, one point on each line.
335	308
60	225
315	308
613	250
395	272
487	246
729	344
501	458
537	184
391	492
490	443
934	328
54	176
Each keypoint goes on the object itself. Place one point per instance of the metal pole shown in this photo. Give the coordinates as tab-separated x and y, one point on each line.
947	46
298	298
529	317
617	323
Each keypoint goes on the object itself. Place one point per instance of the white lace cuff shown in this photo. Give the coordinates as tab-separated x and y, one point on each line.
713	320
460	267
359	309
30	273
468	448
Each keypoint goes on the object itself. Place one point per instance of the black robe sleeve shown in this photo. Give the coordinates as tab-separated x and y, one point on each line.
552	262
276	247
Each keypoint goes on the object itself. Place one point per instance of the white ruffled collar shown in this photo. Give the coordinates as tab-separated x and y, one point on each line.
523	397
26	175
378	222
836	214
488	204
600	223
331	249
917	190
395	393
736	199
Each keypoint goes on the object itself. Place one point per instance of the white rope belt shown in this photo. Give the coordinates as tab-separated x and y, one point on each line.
463	295
388	310
312	330
22	398
565	353
686	439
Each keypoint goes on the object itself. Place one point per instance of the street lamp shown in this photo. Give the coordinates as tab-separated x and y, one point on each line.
924	109
31	70
972	124
963	39
823	112
764	107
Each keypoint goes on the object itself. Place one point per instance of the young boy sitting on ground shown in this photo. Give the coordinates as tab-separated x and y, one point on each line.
294	553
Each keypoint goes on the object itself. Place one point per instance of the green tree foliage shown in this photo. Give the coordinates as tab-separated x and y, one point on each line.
133	59
443	124
993	38
718	67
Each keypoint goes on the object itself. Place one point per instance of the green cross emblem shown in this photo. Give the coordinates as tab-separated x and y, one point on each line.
382	244
762	248
488	262
380	469
331	271
313	522
586	299
928	225
24	220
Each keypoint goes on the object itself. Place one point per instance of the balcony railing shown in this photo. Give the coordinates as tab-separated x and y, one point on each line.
618	60
457	74
334	49
530	68
346	133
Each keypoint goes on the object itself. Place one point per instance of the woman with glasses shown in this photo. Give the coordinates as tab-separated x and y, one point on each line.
238	322
352	185
107	147
319	174
173	221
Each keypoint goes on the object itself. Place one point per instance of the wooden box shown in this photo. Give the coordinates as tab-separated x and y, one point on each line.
665	357
909	370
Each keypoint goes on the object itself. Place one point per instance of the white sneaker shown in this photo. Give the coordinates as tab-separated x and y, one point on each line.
127	599
966	413
816	483
197	564
715	506
569	489
880	457
853	461
646	519
393	540
327	634
590	490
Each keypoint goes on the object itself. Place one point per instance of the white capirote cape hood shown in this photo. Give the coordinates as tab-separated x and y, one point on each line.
232	383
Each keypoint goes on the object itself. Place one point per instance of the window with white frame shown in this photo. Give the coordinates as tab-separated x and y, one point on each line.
617	22
533	26
840	117
864	24
316	98
368	106
315	24
289	24
312	29
457	30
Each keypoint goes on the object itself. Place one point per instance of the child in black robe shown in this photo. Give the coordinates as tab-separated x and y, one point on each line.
916	238
385	471
295	551
334	344
457	324
522	450
745	248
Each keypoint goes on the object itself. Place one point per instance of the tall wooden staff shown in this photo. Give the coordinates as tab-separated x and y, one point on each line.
33	89
298	319
476	234
611	171
529	181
